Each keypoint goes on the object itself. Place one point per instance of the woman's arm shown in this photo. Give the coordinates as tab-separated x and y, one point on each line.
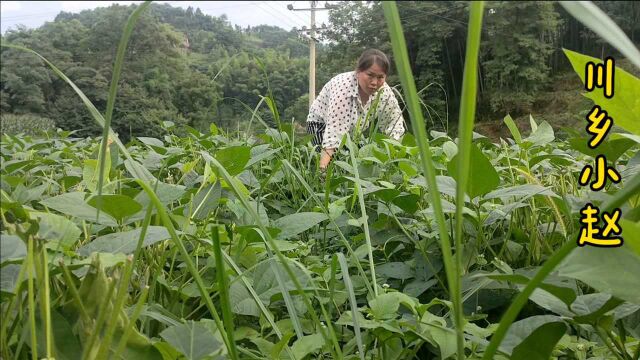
325	157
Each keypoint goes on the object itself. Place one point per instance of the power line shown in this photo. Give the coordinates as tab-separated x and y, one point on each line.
279	16
276	10
27	16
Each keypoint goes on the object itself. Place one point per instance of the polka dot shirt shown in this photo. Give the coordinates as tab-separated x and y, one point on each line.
339	107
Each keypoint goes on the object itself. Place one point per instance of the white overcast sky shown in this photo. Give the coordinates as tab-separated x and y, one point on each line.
244	13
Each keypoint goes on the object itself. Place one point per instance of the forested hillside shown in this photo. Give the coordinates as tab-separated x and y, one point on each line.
194	69
181	66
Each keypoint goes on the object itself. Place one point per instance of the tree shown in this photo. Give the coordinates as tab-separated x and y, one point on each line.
520	37
24	87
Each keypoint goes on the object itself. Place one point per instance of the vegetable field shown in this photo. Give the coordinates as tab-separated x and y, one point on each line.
226	245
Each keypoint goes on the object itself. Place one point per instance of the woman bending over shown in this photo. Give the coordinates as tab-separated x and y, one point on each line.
348	97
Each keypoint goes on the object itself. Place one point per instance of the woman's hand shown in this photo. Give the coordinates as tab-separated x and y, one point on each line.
325	158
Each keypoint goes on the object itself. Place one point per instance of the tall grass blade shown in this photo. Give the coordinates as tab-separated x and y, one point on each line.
74	290
417	123
352	301
6	326
631	189
254	114
227	315
363	210
31	298
465	135
270	99
45	302
597	20
113	89
123	289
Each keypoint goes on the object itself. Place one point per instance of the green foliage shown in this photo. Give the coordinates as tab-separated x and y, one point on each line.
194	340
25	124
520	37
406	318
180	66
124	242
24	86
607	274
273	37
534	337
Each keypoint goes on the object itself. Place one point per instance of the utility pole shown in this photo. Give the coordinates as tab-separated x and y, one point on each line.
312	45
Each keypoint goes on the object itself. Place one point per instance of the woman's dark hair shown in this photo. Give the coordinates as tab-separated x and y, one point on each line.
373	56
